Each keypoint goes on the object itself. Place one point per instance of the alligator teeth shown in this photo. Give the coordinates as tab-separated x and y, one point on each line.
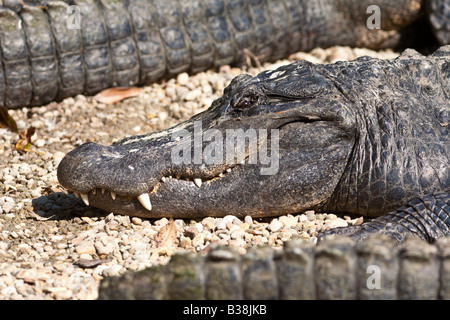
85	198
76	194
144	199
94	191
229	170
113	195
103	190
163	179
198	182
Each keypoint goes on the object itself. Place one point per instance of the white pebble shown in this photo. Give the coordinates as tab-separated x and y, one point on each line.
275	225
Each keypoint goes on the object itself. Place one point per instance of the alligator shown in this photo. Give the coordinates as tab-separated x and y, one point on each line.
50	50
367	137
336	269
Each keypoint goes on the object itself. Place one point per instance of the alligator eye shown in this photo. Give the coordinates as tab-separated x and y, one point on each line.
244	102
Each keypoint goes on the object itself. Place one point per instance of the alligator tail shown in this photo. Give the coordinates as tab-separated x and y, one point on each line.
55	51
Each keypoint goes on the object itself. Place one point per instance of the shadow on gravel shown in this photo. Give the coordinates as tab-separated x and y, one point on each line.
62	206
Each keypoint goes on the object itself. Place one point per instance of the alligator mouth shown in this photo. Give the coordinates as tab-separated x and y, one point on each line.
200	190
101	194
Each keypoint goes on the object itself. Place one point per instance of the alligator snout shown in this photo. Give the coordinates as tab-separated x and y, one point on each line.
92	166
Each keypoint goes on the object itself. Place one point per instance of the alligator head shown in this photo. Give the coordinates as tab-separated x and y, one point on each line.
273	144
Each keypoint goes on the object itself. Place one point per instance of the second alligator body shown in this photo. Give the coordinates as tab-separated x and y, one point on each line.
51	49
337	269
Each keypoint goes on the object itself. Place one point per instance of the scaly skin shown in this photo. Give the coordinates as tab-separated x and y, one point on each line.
339	269
362	137
136	42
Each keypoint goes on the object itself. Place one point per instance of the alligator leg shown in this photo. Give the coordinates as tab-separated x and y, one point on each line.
427	218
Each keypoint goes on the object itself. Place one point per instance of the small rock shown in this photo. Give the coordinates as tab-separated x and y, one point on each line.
244	226
192	95
136	221
236	234
125	220
60	293
198	240
275	225
229	219
208	223
288	221
199	227
221	225
302	218
185	242
112	225
104	249
191	232
335	223
183	79
8	206
39	143
85	246
310	215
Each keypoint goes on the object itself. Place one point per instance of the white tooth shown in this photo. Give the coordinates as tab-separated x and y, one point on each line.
170	177
198	182
163	179
113	195
144	199
242	162
221	174
76	194
229	170
103	190
94	191
85	198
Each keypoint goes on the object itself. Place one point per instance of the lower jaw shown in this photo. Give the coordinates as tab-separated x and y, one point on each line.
160	209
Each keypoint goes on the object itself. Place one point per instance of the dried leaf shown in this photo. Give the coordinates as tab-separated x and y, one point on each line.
166	237
358	221
25	139
6	121
116	94
91	263
41	218
88	220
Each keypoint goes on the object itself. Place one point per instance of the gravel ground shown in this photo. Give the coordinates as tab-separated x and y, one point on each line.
54	247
